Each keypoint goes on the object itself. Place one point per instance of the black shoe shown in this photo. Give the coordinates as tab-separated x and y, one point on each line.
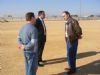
71	72
40	64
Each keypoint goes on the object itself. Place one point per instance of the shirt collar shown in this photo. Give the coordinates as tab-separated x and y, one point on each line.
40	18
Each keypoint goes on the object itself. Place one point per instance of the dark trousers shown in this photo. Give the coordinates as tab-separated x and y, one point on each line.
41	45
71	53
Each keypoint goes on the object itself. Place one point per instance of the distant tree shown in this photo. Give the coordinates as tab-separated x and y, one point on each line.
55	17
74	15
91	16
10	16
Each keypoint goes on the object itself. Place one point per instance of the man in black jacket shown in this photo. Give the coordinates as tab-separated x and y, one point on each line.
40	25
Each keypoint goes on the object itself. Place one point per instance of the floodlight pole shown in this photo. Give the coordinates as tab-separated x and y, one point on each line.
80	9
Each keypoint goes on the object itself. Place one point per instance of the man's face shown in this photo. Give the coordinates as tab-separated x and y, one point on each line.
43	15
33	20
65	17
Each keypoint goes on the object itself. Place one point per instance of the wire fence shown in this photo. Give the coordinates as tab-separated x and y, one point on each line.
50	18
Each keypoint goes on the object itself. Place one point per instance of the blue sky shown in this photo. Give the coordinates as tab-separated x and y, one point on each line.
52	7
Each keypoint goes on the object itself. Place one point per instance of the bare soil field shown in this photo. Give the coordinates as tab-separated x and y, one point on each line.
88	56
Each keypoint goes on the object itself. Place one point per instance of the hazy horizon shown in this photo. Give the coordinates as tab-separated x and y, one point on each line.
18	8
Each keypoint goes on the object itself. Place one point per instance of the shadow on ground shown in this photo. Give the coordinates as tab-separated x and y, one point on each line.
91	68
64	59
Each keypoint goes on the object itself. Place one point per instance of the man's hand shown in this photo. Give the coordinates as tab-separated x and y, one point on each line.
21	47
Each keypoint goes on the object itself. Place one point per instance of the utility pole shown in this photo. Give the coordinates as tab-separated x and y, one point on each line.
80	9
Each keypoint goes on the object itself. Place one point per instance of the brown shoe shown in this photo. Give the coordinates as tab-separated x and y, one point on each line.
67	69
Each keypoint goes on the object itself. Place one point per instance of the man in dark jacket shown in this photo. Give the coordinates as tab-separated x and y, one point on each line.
40	25
72	40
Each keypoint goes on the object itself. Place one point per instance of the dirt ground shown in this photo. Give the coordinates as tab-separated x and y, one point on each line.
88	56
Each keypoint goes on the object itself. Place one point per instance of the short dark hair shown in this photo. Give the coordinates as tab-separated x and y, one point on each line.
67	13
40	12
29	16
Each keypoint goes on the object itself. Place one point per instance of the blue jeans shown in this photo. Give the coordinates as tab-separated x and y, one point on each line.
31	62
71	53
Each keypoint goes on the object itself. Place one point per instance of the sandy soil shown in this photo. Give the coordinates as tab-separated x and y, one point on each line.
88	57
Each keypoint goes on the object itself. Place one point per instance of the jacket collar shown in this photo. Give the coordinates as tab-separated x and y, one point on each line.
70	20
